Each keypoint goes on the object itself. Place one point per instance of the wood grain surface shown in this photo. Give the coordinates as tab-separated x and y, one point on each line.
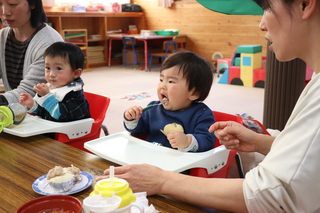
23	160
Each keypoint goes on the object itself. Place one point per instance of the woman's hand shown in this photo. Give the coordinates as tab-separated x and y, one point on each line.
141	177
236	136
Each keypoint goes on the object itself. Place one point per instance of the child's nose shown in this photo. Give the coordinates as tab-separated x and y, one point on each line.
52	74
163	86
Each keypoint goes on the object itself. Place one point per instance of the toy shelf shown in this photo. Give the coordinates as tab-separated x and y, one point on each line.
80	38
97	24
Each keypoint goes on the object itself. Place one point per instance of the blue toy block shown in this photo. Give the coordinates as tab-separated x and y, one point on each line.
246	61
224	78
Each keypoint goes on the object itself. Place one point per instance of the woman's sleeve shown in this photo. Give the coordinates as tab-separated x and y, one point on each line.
287	180
33	68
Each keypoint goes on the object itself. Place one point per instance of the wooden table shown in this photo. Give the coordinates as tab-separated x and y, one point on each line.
138	37
23	160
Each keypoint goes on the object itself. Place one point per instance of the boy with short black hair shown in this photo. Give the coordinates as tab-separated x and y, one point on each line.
61	98
179	119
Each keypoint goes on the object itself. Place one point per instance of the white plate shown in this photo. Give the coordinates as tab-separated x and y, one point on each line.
40	185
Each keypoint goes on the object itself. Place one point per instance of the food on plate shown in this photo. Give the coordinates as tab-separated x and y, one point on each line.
62	179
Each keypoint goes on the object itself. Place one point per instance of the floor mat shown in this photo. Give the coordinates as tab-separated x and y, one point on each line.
139	96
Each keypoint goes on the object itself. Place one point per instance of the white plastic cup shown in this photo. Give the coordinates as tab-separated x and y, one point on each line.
98	204
128	208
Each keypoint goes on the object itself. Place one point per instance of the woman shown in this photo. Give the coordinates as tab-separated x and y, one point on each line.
22	44
287	180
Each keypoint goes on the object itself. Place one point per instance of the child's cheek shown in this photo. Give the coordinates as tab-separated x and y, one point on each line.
62	79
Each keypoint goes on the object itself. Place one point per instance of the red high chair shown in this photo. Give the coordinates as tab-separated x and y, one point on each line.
98	108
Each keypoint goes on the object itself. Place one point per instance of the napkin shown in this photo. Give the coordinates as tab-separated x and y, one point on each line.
143	200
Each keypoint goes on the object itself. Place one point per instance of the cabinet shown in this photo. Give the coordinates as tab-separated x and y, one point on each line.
97	24
80	38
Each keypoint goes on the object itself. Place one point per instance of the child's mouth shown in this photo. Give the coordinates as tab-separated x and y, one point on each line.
165	101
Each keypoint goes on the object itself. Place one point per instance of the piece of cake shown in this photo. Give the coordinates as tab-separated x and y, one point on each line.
62	179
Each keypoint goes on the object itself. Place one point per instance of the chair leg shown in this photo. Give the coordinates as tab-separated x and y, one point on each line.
124	57
239	165
134	60
150	63
105	129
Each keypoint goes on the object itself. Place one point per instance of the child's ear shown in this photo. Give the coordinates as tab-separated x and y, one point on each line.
194	95
77	73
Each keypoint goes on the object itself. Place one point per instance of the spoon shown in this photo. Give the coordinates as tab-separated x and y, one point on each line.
165	100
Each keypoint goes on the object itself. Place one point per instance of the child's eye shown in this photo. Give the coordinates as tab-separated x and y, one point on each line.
171	82
47	68
58	68
161	80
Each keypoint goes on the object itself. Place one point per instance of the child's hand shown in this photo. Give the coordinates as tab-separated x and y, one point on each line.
179	140
26	100
133	113
42	89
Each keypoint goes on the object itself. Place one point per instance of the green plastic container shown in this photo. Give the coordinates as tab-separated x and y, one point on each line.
166	32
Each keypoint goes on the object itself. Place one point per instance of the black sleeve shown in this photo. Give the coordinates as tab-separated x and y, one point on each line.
3	101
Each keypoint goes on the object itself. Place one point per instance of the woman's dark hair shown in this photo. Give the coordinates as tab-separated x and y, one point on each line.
196	70
67	51
266	4
38	16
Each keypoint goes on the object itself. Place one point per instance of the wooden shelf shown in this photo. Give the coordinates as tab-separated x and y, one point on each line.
78	37
94	14
96	23
95	40
75	35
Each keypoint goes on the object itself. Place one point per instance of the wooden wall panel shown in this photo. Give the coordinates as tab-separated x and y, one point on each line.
208	31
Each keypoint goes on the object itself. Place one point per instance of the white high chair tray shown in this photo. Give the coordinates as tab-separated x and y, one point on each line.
33	125
124	149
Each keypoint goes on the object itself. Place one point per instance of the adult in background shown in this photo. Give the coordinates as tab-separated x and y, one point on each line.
22	44
287	180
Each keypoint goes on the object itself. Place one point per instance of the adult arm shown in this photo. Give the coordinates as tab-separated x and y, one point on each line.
235	136
3	101
226	194
33	68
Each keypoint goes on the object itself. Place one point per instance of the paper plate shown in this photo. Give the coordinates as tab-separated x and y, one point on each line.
41	185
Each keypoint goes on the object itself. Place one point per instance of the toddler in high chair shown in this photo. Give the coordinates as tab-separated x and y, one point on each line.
61	98
179	119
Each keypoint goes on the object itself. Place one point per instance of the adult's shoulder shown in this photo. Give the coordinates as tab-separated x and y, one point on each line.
42	40
48	33
4	32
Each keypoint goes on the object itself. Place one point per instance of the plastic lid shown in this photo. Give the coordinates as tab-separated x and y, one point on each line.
6	117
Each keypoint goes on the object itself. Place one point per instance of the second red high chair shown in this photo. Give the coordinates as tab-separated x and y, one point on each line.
233	154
